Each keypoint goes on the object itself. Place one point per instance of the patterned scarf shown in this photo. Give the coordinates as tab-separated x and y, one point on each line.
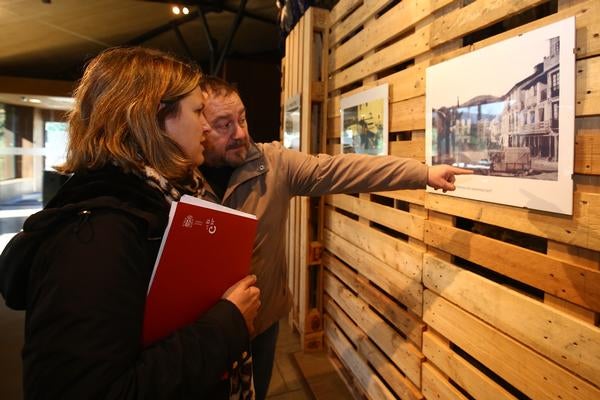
241	382
173	192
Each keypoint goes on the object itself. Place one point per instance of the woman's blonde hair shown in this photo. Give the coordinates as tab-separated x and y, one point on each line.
121	105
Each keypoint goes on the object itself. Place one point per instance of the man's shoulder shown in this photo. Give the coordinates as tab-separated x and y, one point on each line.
271	150
270	146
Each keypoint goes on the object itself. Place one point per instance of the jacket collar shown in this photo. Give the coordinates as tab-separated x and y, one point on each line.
254	165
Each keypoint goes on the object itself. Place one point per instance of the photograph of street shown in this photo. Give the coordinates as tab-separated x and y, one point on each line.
509	119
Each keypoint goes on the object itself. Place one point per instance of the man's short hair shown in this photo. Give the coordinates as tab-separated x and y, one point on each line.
218	86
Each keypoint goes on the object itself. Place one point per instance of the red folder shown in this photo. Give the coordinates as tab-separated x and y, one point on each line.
206	248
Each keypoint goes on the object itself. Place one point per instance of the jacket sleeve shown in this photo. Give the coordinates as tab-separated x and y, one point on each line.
85	319
317	175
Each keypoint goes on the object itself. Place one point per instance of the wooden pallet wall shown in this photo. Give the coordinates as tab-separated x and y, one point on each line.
304	73
438	297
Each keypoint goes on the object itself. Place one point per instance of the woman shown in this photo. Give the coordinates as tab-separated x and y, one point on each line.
81	266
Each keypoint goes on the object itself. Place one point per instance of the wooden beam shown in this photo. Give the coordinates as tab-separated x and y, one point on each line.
577	284
528	371
564	339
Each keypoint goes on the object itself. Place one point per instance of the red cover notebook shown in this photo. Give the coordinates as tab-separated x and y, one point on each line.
206	248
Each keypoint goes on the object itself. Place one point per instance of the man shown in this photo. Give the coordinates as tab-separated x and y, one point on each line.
260	178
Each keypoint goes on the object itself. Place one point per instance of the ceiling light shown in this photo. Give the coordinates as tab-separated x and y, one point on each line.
36	101
175	10
185	10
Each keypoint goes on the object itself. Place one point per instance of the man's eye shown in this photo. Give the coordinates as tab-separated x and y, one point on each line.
223	127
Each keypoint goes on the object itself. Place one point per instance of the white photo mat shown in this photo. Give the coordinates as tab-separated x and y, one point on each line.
501	98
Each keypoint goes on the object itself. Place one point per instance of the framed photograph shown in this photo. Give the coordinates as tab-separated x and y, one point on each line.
364	127
291	123
507	112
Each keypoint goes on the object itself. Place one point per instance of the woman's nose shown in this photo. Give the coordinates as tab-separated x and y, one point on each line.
205	128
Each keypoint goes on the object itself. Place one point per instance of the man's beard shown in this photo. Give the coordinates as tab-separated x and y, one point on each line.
238	157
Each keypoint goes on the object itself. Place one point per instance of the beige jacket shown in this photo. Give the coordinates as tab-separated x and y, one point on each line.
272	175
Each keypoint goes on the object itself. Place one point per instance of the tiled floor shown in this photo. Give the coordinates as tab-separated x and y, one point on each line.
287	382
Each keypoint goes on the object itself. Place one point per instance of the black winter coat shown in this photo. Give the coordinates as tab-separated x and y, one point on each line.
81	268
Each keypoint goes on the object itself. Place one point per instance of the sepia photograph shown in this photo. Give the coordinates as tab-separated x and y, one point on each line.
509	119
364	127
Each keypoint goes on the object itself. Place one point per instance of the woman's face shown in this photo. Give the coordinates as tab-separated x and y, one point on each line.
189	127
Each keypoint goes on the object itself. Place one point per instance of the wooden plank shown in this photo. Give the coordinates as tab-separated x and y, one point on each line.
577	284
410	195
320	20
324	104
406	290
403	387
523	368
588	30
574	255
587	145
586	13
334	148
317	91
400	17
401	352
581	229
398	220
367	10
403	85
363	374
364	197
472	380
414	148
396	253
578	256
293	59
333	105
407	115
587	183
436	386
393	23
574	310
334	130
356	391
567	341
587	82
341	10
407	83
394	54
477	15
403	320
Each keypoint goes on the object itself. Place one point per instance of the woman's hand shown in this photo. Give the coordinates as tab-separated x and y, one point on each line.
246	298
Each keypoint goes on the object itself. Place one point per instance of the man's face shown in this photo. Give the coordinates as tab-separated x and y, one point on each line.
227	142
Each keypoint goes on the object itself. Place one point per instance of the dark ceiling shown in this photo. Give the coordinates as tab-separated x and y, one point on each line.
52	39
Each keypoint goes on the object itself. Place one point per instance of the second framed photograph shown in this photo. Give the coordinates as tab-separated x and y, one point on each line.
364	127
291	123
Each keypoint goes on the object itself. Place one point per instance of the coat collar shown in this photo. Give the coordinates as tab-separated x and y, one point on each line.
254	165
